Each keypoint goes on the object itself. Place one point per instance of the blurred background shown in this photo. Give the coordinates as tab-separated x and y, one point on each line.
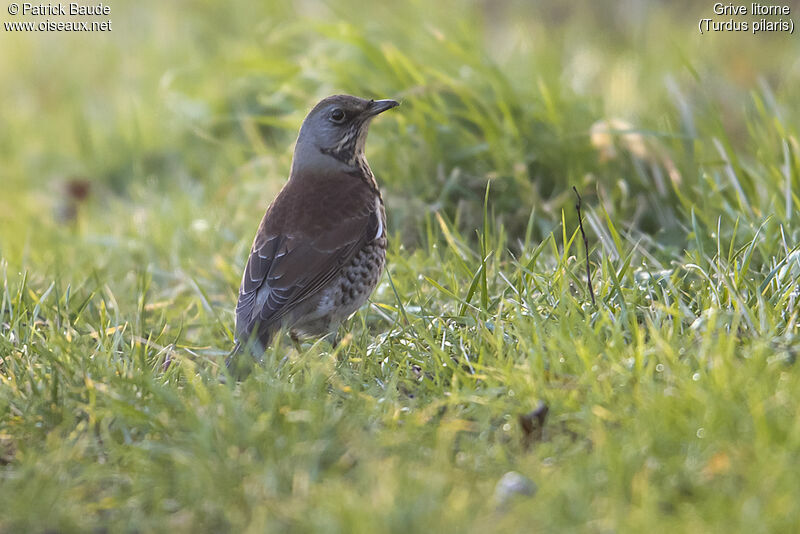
164	139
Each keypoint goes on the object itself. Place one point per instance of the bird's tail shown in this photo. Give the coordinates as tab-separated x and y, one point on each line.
237	348
252	346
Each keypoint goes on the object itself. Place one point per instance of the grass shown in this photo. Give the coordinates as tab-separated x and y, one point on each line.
672	401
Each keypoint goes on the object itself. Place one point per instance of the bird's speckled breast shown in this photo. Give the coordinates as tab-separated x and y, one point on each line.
348	292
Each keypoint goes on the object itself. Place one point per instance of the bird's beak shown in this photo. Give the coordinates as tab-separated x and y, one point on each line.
379	106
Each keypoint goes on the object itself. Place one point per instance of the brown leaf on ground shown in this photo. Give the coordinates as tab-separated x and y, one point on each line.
532	424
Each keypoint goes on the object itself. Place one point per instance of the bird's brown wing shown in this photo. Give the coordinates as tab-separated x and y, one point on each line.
288	265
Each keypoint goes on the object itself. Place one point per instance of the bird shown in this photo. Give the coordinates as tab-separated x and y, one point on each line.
320	249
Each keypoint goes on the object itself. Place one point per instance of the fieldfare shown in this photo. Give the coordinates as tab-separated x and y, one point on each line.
321	246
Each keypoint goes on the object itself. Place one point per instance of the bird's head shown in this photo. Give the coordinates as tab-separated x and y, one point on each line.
337	128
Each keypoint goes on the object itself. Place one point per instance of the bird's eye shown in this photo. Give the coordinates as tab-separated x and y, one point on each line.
337	115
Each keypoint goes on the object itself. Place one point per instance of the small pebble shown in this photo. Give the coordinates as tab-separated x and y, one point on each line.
511	484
